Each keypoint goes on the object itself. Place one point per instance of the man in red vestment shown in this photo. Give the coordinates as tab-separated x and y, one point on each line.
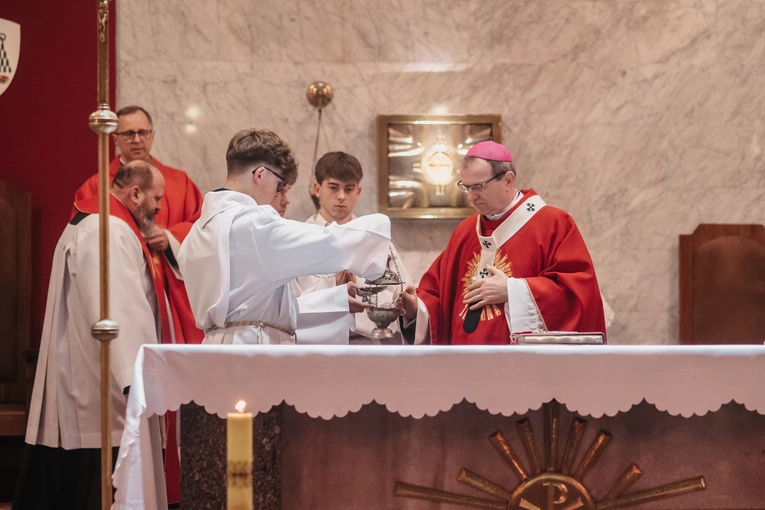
518	265
182	204
61	467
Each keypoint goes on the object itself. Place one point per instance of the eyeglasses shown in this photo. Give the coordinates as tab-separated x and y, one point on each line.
282	181
477	187
128	136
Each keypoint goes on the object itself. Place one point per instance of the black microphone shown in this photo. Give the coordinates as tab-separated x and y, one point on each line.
471	319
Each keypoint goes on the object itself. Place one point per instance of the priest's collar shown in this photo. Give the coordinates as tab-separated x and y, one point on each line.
518	197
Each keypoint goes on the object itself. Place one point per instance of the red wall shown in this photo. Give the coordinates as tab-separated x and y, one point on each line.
46	146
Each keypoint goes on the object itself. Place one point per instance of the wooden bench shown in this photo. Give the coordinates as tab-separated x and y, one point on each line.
722	285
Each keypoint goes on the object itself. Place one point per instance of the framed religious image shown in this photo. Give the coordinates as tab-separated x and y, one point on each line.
418	161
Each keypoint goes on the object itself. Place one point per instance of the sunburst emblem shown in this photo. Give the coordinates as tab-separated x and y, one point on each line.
500	262
558	486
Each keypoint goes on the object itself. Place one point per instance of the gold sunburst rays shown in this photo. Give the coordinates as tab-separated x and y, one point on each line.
502	263
550	486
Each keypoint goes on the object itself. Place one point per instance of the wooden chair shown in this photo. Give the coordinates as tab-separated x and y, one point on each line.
17	360
722	285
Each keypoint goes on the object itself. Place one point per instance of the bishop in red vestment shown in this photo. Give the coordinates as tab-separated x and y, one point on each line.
518	265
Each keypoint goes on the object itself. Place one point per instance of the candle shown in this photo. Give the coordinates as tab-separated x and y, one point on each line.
239	458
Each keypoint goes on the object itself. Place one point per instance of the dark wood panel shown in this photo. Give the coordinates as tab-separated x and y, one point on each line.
13	419
16	358
722	285
9	289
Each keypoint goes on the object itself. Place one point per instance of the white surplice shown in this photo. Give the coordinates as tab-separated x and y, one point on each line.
240	257
324	317
65	408
359	324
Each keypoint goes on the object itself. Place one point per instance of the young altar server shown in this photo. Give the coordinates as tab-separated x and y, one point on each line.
338	187
61	468
326	315
323	316
240	257
518	265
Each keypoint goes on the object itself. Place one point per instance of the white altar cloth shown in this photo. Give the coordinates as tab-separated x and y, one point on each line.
329	381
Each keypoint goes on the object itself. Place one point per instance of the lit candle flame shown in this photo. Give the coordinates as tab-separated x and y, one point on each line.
240	406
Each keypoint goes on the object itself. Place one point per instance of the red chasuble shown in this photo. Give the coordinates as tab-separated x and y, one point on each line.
548	252
180	209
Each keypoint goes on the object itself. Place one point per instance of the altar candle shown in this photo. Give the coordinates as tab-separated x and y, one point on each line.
239	459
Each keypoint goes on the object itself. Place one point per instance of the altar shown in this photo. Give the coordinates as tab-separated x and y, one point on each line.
386	427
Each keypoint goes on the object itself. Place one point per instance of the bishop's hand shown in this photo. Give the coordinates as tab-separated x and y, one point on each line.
487	291
407	301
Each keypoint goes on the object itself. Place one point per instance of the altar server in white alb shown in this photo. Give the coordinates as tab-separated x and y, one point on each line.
337	188
324	316
240	256
62	468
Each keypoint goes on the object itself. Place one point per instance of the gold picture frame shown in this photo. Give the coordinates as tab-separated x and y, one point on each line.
418	158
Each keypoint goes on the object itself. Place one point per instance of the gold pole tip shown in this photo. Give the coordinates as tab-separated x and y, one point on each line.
105	330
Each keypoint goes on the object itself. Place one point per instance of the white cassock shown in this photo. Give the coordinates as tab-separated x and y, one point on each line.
66	402
240	257
356	327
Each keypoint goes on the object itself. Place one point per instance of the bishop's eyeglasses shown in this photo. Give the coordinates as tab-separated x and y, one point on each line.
478	187
128	136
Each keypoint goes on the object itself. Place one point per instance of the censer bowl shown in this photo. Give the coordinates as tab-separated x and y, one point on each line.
382	317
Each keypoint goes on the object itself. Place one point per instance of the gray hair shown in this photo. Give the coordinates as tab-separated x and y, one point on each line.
136	173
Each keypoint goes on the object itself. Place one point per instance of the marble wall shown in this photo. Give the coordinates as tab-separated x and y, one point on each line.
640	118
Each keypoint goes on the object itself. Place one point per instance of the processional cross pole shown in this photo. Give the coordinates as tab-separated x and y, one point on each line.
103	121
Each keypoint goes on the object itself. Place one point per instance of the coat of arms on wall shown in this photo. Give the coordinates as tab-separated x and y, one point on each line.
10	44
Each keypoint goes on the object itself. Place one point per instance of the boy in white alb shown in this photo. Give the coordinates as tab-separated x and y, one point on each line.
323	316
240	258
337	187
